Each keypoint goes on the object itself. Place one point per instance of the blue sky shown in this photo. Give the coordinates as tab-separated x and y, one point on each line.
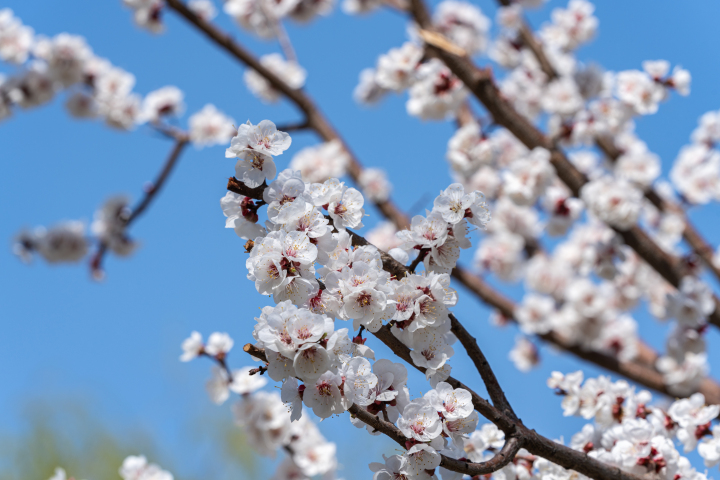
114	345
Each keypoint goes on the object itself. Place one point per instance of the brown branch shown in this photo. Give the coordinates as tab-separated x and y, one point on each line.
293	127
607	145
167	168
236	186
482	85
691	235
483	367
502	458
315	119
181	140
641	370
420	257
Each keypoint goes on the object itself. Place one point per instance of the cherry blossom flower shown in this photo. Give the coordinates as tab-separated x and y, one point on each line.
65	56
192	347
375	185
615	201
16	39
535	314
324	395
255	15
421	457
693	417
240	216
166	101
321	162
638	90
262	138
289	72
463	24
253	168
709	449
219	344
430	348
524	354
347	211
368	91
392	469
204	9
420	420
437	93
452	404
209	127
354	7
244	384
147	14
136	467
396	70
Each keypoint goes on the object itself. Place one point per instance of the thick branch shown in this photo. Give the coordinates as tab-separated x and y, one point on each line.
482	366
481	84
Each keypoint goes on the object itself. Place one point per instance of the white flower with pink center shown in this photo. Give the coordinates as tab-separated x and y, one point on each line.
453	404
324	395
420	421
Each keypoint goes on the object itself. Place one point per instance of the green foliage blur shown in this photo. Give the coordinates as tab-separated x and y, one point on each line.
66	434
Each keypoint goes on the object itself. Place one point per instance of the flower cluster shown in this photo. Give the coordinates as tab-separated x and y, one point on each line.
96	88
630	433
264	416
434	92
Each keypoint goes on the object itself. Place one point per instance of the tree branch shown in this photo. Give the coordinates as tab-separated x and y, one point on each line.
641	371
167	168
317	122
502	458
315	119
181	140
482	85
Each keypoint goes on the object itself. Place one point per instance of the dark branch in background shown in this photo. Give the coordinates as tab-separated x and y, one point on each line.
607	145
422	253
181	141
480	82
155	188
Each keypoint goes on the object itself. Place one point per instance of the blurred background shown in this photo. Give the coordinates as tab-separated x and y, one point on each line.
89	371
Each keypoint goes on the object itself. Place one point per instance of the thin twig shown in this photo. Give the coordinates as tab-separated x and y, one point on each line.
155	188
181	140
